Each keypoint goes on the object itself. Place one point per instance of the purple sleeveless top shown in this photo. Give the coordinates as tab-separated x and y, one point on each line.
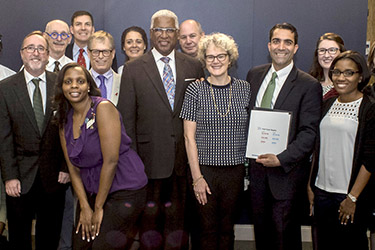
85	153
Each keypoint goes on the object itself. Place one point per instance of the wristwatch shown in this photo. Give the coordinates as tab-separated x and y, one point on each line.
352	197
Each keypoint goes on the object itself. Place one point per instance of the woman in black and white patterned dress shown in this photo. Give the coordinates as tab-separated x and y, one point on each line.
215	113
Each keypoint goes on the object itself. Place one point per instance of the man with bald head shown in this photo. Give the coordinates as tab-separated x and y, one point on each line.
58	37
190	34
30	153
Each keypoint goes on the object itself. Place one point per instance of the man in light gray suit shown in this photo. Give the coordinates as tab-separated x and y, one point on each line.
101	47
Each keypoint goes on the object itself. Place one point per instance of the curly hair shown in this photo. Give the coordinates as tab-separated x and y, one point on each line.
60	104
220	40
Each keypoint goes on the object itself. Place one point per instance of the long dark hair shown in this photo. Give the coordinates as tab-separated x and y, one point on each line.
317	70
60	104
135	29
359	60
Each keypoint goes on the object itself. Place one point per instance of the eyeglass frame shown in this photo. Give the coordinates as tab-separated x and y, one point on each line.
94	51
216	57
348	72
320	51
30	47
58	35
169	31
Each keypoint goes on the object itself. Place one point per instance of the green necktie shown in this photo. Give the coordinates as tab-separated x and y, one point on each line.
268	94
38	104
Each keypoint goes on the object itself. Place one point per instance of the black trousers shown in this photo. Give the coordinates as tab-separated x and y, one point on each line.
330	233
121	212
163	221
47	208
217	217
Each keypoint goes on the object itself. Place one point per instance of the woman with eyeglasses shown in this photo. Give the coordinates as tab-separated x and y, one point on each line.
133	43
328	47
107	175
215	113
339	188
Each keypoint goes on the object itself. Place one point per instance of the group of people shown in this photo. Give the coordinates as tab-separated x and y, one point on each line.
157	149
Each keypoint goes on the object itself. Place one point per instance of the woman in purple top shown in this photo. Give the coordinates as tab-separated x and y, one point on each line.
107	175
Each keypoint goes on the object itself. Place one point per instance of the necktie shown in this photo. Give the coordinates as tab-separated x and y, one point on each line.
168	80
102	86
38	105
56	69
268	94
81	59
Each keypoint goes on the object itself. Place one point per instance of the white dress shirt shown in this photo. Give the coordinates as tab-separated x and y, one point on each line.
63	60
160	63
5	72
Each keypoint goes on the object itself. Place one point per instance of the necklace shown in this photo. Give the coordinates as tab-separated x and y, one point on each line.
230	100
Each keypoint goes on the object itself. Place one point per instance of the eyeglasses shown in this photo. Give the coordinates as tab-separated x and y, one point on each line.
346	73
30	49
96	52
331	51
220	57
55	35
159	31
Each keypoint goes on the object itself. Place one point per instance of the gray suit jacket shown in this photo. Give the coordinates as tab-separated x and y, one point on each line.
156	129
301	94
24	150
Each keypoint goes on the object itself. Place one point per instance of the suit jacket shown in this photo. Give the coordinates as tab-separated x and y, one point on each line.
301	94
156	129
115	87
24	150
69	53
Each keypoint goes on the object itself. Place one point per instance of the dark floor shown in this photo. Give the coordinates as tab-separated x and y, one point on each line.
250	245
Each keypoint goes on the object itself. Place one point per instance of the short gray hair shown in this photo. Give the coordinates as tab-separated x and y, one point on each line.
220	40
164	13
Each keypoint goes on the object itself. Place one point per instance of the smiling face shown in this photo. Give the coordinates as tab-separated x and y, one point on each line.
134	45
164	42
57	46
217	68
82	28
282	48
189	37
101	64
326	59
35	62
347	87
75	86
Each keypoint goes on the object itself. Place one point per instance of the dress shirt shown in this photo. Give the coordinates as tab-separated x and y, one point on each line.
5	72
63	60
85	55
160	63
31	87
282	75
108	81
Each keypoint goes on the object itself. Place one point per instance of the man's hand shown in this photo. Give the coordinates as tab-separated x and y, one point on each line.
268	160
13	187
63	178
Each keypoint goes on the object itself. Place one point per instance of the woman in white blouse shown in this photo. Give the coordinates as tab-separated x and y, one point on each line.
340	184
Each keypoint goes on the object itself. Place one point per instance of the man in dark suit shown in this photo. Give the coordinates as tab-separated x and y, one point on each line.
275	180
30	154
82	27
151	95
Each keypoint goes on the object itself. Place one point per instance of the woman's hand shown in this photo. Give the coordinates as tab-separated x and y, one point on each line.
85	219
201	190
346	211
310	195
97	219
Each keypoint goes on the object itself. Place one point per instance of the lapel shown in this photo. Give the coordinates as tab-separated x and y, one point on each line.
287	87
180	79
23	97
115	87
256	83
50	86
151	69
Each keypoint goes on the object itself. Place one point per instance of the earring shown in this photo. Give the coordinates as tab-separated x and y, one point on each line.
88	91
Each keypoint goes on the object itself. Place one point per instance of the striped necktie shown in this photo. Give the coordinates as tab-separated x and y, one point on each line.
168	80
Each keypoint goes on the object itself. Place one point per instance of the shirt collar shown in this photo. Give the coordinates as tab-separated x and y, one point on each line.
284	71
76	49
29	77
107	74
157	55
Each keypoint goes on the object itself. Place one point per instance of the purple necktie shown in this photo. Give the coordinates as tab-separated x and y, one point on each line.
102	87
168	81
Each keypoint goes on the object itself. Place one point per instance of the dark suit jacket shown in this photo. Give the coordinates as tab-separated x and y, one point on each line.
156	129
69	53
301	94
24	150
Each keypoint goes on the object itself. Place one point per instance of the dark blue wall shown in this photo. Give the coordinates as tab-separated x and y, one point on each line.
248	21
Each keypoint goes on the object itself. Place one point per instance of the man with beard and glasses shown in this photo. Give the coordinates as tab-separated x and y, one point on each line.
276	180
